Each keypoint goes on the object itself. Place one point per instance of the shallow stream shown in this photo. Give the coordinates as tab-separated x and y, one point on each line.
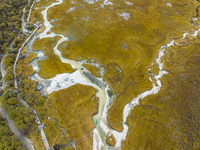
83	76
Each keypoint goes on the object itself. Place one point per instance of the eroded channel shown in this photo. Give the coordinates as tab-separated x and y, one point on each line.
83	76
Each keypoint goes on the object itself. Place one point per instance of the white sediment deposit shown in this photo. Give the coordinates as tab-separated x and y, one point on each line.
66	80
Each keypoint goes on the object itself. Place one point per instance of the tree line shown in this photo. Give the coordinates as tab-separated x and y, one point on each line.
10	24
11	33
8	141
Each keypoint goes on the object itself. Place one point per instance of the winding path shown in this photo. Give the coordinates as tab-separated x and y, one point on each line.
24	30
3	72
11	124
22	101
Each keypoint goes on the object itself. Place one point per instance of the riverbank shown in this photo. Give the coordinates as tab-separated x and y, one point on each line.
136	81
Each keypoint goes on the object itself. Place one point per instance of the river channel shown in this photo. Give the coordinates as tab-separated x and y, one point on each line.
83	76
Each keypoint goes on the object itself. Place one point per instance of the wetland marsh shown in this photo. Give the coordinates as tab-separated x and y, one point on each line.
105	71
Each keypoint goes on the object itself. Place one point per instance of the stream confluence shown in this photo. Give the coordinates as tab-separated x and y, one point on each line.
83	76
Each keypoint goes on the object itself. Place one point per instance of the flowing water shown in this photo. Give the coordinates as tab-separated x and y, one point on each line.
83	76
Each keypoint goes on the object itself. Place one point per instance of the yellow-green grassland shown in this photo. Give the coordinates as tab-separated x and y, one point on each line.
52	65
170	119
124	40
73	107
130	45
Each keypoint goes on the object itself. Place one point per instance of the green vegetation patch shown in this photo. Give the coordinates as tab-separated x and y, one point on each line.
10	23
8	140
52	65
8	60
